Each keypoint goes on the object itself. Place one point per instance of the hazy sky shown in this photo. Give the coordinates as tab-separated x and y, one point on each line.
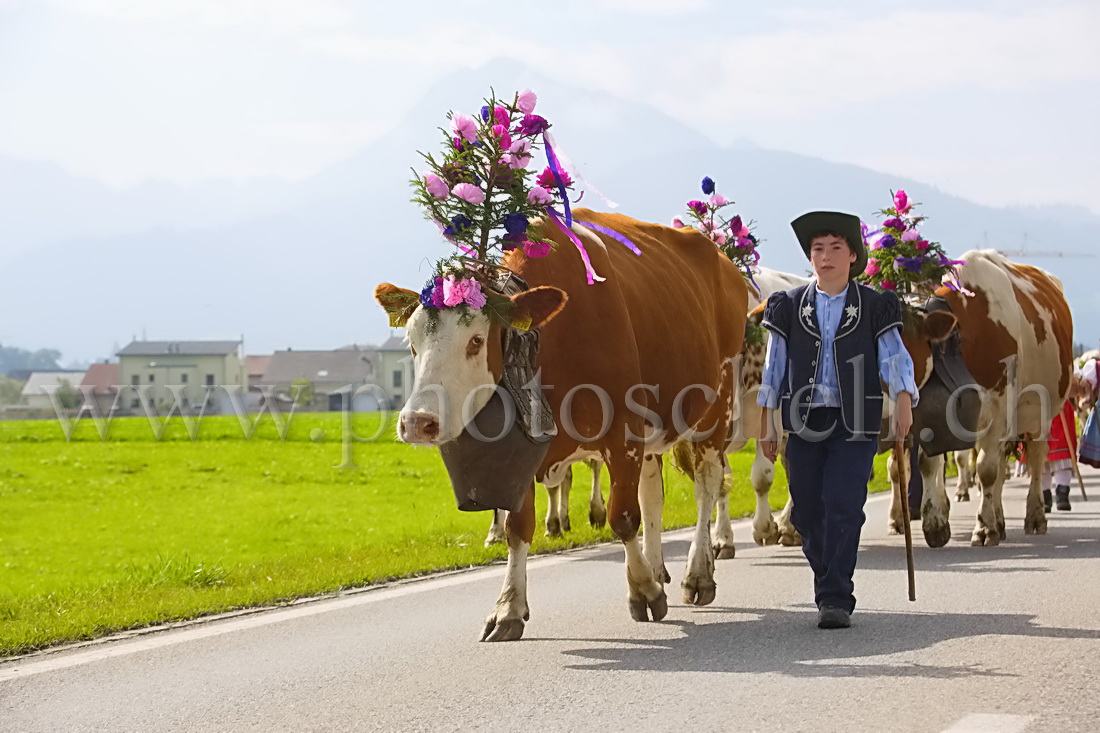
996	101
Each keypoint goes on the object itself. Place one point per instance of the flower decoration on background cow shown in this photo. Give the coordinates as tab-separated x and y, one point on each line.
733	235
899	258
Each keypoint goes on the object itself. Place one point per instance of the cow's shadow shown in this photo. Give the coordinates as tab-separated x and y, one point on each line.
785	641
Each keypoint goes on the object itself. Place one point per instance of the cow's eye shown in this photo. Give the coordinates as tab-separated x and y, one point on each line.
475	345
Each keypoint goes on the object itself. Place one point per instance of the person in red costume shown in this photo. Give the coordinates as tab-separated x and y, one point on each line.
1062	454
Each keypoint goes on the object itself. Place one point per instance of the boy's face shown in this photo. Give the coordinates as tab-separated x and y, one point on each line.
831	257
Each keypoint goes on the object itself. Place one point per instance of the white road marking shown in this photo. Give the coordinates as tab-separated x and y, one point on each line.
156	638
990	723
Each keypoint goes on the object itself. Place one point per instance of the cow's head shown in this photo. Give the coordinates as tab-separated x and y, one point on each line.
920	332
457	357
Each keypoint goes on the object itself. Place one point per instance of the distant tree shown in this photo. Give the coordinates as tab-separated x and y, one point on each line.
67	394
12	358
11	391
302	392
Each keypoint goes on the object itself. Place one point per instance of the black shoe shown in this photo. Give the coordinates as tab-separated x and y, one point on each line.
1061	495
1047	501
831	617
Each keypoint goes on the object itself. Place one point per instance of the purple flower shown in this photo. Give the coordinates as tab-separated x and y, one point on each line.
532	125
458	224
735	225
512	241
485	112
887	240
698	207
912	264
437	294
894	223
708	185
426	295
515	223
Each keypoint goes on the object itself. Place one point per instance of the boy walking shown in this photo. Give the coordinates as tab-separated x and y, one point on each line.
831	341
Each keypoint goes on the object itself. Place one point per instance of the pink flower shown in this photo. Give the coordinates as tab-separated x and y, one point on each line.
546	179
717	200
745	242
536	249
435	185
501	116
677	222
526	101
698	207
889	285
521	146
901	202
706	225
469	192
454	291
501	132
474	297
464	126
910	235
923	244
719	238
872	268
539	195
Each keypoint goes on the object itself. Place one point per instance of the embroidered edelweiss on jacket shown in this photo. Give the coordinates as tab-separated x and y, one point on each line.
807	311
849	314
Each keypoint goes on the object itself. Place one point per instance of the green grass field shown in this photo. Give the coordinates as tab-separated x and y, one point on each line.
103	535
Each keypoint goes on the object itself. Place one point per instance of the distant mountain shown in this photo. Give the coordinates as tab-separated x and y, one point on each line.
297	265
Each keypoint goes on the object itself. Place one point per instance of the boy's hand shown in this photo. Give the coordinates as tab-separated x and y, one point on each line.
769	444
770	448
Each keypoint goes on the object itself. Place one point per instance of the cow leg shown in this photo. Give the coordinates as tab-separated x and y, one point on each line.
698	585
963	460
990	471
597	512
764	529
721	534
788	535
644	589
935	508
651	497
557	506
510	614
1035	519
496	529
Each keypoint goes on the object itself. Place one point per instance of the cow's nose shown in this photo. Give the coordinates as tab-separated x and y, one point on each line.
419	427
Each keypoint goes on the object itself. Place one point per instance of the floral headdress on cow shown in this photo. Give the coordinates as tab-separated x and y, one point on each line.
480	194
901	260
732	235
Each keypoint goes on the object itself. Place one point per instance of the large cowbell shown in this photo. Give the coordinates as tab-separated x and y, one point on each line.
937	428
493	462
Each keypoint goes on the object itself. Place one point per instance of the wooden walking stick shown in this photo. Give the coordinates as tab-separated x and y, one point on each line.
1073	453
899	456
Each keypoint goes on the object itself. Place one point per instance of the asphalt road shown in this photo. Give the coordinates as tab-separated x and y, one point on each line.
1001	639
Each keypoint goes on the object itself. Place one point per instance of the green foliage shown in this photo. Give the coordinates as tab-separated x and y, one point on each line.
12	358
67	394
302	392
11	391
102	536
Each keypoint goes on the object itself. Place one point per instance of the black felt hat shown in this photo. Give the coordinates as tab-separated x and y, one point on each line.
846	225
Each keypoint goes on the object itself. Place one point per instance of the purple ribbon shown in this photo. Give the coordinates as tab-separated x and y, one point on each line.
613	234
555	170
588	270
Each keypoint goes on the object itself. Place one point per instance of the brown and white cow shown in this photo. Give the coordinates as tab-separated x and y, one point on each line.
557	506
1017	343
647	339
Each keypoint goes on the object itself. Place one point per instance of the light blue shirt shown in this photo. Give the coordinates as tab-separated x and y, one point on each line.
895	366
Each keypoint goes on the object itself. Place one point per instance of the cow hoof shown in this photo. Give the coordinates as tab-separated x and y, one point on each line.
769	536
1036	526
493	539
642	610
962	495
553	527
790	538
937	533
502	629
984	538
665	577
597	519
894	527
724	552
1002	533
698	592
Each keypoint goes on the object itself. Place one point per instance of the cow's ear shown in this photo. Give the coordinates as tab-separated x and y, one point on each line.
399	303
938	325
535	307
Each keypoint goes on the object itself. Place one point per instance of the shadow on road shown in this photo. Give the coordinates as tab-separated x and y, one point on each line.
781	641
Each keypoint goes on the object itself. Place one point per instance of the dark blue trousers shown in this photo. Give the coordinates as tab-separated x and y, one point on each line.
828	479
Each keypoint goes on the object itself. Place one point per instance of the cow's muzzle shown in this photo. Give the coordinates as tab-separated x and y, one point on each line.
419	428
